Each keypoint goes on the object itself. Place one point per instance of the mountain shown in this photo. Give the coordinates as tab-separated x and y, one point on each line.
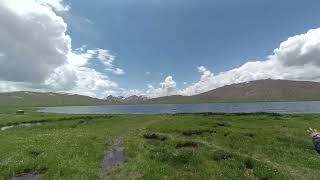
25	98
253	91
42	99
125	100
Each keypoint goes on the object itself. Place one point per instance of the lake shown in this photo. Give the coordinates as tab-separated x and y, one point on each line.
277	107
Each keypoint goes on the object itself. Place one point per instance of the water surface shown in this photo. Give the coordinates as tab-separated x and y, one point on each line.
277	107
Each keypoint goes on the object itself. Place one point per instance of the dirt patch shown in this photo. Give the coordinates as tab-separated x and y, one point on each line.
28	174
248	164
195	132
114	156
154	136
264	178
188	144
222	124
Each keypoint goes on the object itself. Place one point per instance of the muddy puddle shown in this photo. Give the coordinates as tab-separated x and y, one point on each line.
114	156
28	176
19	125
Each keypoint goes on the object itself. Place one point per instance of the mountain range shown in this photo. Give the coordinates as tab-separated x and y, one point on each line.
254	91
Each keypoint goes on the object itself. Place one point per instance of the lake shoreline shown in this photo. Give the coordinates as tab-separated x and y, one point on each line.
271	107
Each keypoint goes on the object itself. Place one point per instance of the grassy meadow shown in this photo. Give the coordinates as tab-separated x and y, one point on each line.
180	146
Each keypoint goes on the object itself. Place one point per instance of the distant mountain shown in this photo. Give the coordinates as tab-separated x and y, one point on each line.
125	100
253	91
25	98
37	99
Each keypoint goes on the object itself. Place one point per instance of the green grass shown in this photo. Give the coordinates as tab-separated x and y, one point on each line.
182	146
38	99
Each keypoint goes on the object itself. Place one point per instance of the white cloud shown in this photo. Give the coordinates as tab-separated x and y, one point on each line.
131	92
34	56
88	21
167	88
55	4
117	71
107	59
297	58
36	52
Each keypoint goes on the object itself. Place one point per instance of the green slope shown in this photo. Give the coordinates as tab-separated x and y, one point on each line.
24	98
254	91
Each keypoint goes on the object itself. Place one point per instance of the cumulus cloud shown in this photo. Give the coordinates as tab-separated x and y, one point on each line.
166	88
297	58
36	52
57	5
34	44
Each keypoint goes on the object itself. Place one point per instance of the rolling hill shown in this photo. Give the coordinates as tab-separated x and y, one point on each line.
25	98
253	91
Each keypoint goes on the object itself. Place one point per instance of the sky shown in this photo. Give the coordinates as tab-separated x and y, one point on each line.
155	47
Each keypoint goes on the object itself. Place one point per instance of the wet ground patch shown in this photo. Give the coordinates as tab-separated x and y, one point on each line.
114	156
19	125
29	174
187	144
154	136
41	121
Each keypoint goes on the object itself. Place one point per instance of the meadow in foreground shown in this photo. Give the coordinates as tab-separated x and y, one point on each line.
180	146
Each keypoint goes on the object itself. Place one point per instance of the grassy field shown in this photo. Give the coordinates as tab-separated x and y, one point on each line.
182	146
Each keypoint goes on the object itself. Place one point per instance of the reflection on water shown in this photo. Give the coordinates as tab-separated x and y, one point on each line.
277	107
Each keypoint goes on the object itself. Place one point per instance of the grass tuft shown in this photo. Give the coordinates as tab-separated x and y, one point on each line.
221	155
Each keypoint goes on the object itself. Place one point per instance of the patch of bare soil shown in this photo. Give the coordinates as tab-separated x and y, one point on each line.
29	175
196	132
154	136
188	144
114	156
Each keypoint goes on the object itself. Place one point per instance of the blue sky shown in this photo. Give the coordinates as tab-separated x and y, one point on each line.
103	47
174	37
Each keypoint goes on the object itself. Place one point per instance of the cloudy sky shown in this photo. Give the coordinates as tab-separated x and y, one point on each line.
155	47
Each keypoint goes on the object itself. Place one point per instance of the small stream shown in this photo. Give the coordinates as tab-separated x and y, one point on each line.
19	125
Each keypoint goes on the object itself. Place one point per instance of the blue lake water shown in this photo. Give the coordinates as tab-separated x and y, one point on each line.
277	107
